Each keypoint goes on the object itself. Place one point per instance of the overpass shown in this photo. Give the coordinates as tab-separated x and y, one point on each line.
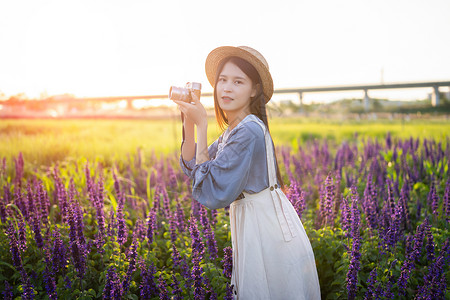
435	85
365	88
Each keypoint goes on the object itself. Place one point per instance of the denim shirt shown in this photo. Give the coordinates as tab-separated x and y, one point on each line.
237	164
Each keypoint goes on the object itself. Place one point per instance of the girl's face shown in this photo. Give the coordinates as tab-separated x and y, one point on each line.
234	90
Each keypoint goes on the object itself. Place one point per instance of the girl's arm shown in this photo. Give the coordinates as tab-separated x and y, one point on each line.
196	113
188	148
202	143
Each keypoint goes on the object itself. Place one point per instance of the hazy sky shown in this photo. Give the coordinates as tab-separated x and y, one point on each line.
106	48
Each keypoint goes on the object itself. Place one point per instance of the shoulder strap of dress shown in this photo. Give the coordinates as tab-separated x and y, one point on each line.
269	152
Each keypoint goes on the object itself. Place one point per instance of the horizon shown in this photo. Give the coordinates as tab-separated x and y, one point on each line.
118	48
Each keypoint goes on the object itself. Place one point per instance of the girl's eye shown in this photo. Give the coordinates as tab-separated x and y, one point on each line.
238	82
221	79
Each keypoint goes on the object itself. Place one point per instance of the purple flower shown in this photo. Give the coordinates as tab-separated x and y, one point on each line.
163	294
151	225
8	292
209	234
446	201
179	216
345	217
176	289
370	204
297	197
370	293
411	257
131	266
197	255
112	289
77	251
227	261
148	287
354	267
122	229
58	251
49	279
229	292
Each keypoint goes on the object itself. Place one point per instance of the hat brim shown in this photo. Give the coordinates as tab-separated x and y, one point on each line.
216	56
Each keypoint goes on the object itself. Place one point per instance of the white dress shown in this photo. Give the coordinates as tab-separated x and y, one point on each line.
272	255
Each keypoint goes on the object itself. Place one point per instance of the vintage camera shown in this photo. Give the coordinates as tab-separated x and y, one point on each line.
182	94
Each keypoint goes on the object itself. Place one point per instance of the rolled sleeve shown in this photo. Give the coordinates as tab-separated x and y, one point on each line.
218	182
188	166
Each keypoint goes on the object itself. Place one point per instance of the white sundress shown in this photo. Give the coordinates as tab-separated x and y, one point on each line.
272	255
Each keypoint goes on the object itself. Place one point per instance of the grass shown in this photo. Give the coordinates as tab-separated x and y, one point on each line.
46	141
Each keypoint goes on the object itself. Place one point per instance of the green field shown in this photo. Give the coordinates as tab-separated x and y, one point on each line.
43	142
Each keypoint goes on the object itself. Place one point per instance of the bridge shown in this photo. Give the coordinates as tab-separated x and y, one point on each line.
435	85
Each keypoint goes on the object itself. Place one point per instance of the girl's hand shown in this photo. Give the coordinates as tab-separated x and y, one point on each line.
195	111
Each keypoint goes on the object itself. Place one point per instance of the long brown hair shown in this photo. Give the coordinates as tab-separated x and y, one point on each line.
257	103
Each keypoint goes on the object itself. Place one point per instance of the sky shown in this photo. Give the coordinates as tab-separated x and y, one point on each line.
118	48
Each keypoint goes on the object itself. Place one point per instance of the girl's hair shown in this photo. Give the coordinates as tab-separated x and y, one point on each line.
257	103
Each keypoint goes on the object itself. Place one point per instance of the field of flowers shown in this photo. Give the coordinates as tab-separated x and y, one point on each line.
376	210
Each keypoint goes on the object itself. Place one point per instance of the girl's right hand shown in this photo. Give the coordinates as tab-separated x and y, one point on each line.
195	111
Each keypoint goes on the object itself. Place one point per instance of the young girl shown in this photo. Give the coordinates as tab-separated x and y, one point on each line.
272	255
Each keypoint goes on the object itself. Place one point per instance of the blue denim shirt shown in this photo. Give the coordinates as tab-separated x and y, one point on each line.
237	164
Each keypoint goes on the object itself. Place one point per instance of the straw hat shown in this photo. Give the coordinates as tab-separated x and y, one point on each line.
249	54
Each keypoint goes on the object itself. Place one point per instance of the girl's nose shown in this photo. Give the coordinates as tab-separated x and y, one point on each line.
226	87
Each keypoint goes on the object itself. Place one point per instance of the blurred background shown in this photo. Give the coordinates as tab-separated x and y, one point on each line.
119	58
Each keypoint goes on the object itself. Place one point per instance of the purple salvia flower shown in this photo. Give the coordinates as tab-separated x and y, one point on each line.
197	244
411	257
163	294
208	288
14	248
370	203
345	217
354	267
111	231
227	261
112	287
370	293
434	200
209	234
197	254
179	215
151	225
131	265
176	289
172	228
76	249
327	210
58	251
430	241
37	231
49	280
213	219
390	197
148	287
4	202
229	292
122	230
434	286
8	292
44	203
446	201
297	197
22	234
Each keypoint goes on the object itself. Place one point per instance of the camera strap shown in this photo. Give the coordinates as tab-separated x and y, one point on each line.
182	142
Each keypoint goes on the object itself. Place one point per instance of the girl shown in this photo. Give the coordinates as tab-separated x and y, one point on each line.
272	255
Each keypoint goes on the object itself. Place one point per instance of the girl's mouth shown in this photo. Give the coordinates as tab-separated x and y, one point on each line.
227	99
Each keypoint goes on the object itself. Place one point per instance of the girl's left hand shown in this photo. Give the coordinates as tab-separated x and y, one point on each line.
195	111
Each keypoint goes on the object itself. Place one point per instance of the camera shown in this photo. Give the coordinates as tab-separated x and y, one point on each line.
182	94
